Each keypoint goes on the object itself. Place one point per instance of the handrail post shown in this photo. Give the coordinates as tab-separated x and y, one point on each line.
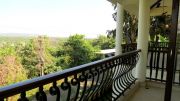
172	49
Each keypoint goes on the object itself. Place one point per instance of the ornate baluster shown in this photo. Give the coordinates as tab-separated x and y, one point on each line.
96	86
41	95
118	68
109	83
99	83
83	78
112	66
91	88
121	82
116	71
128	68
23	97
120	76
66	86
132	65
54	90
101	87
75	82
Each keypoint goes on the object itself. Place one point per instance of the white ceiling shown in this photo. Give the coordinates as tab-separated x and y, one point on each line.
132	6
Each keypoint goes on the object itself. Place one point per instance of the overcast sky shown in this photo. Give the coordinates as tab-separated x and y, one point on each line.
56	17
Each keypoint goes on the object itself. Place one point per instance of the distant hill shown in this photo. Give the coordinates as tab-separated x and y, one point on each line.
16	35
19	37
24	38
14	38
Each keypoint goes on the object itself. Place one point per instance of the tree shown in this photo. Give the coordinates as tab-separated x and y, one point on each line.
160	27
46	54
7	49
76	51
130	27
30	57
11	70
103	42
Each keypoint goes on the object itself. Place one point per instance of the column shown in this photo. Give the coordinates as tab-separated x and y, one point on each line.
142	41
119	29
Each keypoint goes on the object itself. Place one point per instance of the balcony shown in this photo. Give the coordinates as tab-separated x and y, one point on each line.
110	79
120	77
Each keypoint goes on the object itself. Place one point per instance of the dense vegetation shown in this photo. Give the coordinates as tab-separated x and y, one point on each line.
33	57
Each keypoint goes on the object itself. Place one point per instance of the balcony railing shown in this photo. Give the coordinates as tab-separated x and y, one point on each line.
157	60
102	80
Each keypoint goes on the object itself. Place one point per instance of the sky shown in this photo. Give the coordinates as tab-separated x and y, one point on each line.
56	18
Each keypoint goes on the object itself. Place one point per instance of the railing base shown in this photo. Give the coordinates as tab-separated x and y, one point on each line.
130	92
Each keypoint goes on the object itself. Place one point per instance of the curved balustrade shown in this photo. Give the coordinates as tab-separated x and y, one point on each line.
102	80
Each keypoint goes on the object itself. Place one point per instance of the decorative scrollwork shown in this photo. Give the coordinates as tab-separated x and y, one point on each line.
82	78
74	81
54	90
41	95
65	85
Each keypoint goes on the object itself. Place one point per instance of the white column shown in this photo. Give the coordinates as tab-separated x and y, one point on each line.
142	41
119	28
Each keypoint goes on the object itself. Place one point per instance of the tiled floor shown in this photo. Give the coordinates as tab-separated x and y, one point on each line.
151	94
154	94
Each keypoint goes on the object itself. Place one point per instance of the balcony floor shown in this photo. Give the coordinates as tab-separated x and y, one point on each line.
154	93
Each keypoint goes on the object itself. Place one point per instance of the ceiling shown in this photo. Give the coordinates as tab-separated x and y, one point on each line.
132	6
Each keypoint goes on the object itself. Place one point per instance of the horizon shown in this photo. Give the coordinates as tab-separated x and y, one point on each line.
26	35
56	18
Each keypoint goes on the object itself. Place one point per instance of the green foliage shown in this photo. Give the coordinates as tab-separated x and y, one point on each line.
130	28
24	56
7	49
160	26
163	39
11	71
49	58
103	42
76	51
51	68
29	59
